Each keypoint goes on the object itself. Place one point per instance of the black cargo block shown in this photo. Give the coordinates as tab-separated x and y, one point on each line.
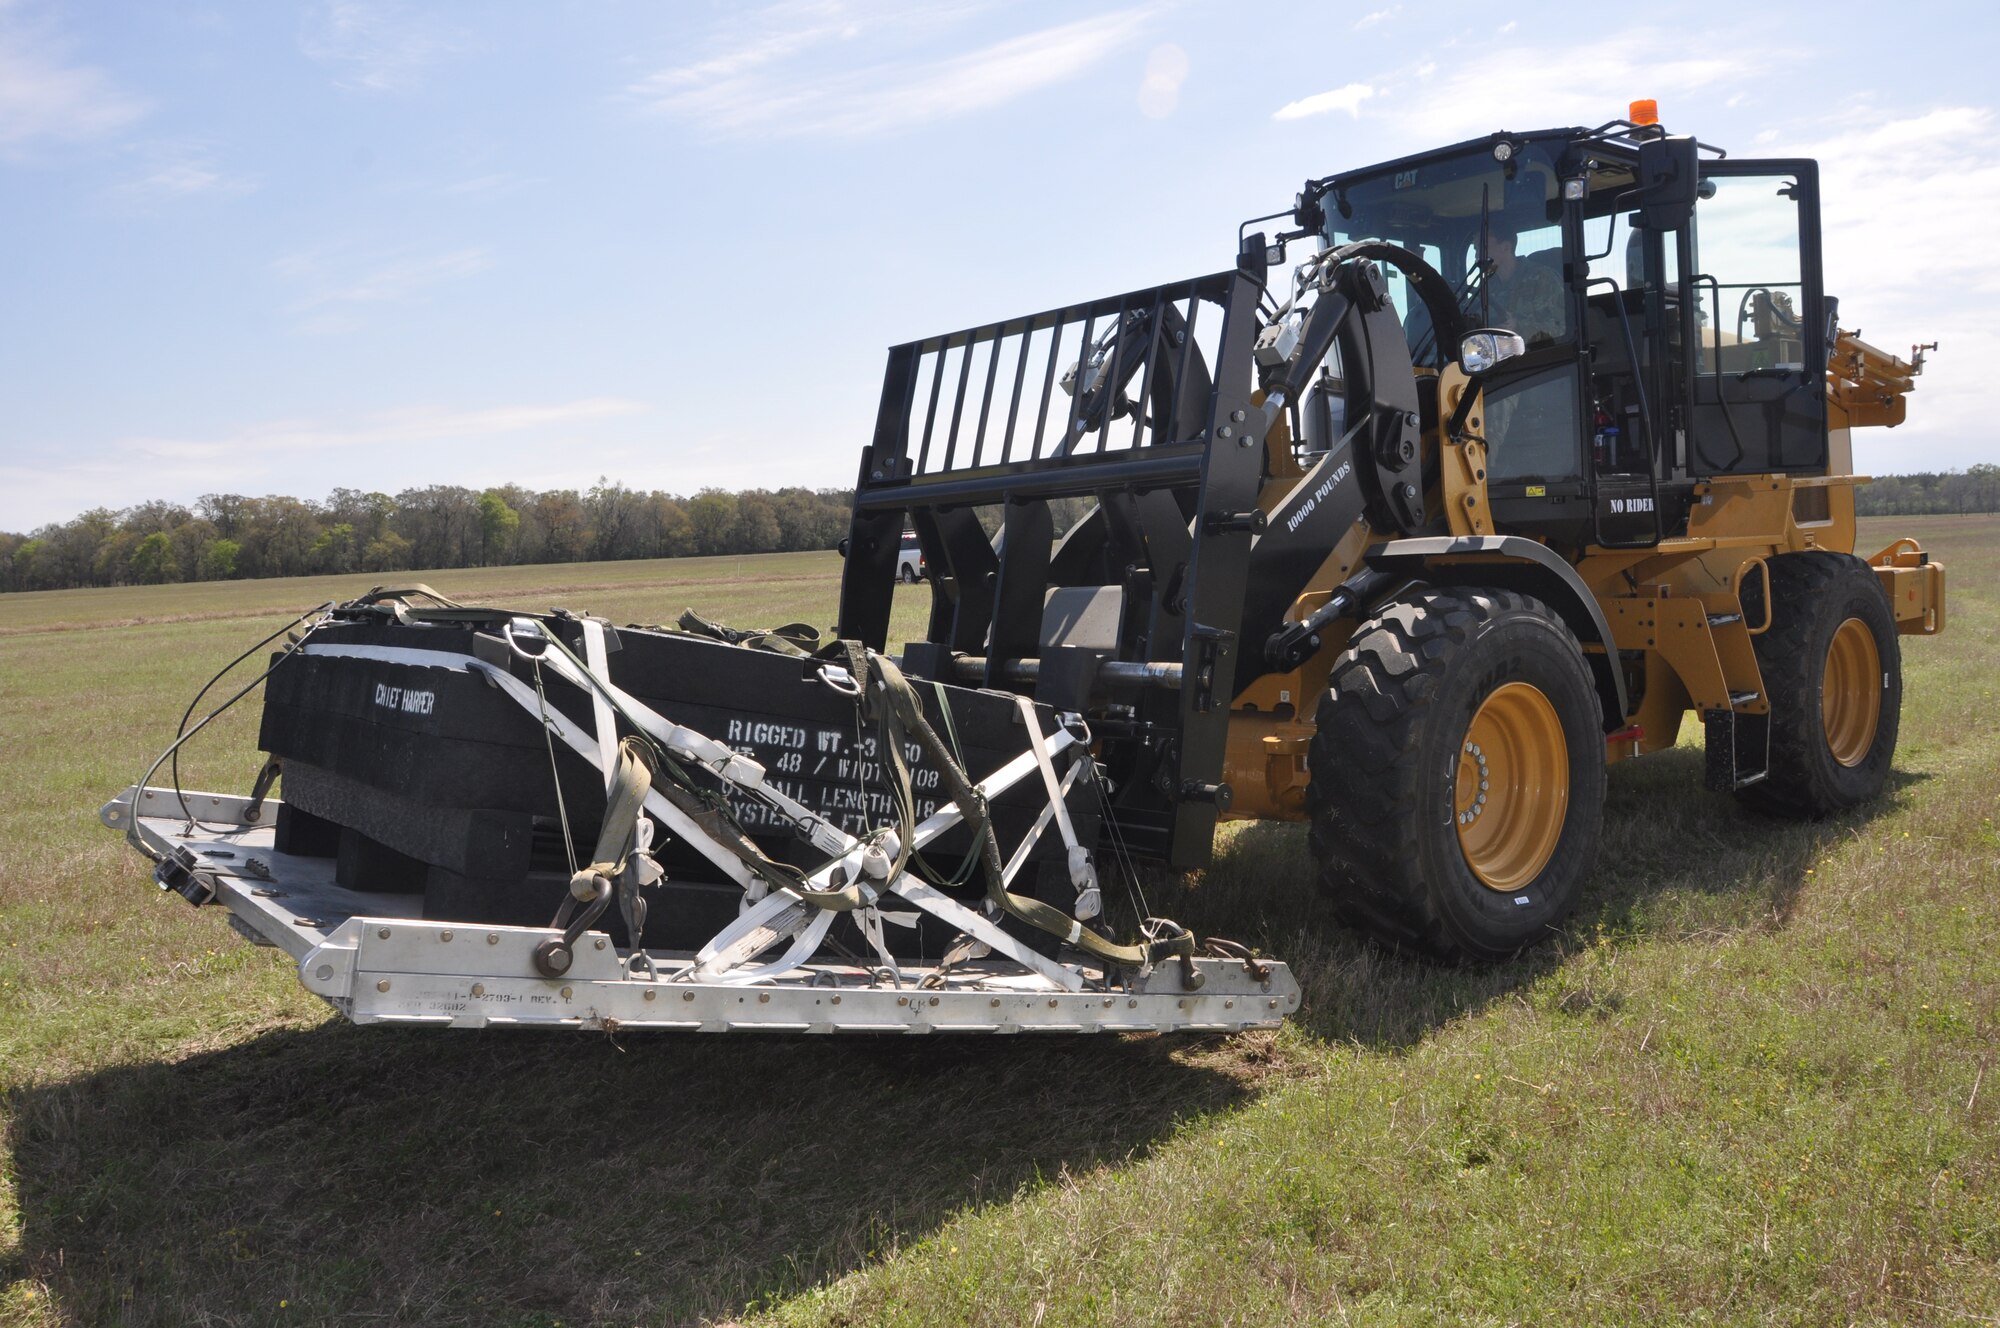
430	762
472	841
365	865
304	835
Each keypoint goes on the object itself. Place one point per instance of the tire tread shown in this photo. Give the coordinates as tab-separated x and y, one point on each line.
1367	768
1790	660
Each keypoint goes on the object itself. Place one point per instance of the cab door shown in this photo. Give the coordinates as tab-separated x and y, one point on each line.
1757	348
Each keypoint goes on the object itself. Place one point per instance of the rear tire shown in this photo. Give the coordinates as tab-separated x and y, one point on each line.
1449	707
1833	672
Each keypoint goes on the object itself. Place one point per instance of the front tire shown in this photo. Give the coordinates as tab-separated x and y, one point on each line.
1833	673
1457	786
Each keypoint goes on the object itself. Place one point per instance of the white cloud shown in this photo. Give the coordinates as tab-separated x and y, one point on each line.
1905	198
1510	82
51	480
1906	191
496	185
416	424
375	45
45	491
45	97
774	33
338	280
1160	89
1346	98
329	324
179	170
1374	17
756	85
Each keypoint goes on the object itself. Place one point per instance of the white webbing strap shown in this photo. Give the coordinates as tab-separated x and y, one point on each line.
599	661
760	927
870	921
725	762
583	744
907	886
981	928
1082	874
1040	747
686	743
758	921
1034	835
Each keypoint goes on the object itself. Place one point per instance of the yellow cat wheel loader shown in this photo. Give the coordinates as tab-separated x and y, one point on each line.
1546	445
1531	447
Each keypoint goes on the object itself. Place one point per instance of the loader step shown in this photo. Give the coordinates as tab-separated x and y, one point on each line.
1738	747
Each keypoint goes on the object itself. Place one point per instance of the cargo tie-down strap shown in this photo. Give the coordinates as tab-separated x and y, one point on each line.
894	704
644	770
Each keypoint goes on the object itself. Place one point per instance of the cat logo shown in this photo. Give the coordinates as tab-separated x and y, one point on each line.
1406	179
1628	506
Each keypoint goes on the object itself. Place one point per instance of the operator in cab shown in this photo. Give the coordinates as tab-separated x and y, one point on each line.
1524	295
1531	425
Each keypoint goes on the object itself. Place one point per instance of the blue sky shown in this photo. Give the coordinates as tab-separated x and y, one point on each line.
276	248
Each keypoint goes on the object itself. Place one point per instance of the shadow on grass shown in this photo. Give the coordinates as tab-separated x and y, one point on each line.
514	1178
1677	862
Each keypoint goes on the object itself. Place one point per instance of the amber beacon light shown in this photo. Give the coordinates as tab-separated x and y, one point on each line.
1645	111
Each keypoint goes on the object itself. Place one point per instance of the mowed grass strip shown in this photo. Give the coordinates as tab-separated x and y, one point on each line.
1754	1083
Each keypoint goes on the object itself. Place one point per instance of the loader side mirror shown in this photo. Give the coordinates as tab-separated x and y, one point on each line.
1484	347
1669	181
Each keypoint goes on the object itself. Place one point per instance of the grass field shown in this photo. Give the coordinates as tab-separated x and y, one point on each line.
1758	1081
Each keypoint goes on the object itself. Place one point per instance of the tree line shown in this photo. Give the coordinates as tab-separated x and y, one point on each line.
1925	493
224	536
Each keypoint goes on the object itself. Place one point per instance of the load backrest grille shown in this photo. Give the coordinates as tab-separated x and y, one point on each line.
1084	381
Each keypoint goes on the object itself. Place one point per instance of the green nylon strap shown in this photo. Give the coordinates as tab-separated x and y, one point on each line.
708	809
971	861
631	781
886	696
897	695
791	639
381	594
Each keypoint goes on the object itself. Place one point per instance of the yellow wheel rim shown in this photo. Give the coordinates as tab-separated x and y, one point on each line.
1850	702
1512	789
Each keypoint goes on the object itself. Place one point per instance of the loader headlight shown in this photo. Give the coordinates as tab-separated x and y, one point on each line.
1485	347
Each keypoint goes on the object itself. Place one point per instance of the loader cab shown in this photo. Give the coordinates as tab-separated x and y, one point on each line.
1670	305
1706	330
1492	218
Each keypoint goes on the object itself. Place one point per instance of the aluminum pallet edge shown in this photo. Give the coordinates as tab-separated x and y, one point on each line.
367	956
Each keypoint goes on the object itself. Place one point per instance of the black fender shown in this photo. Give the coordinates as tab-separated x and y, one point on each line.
1512	562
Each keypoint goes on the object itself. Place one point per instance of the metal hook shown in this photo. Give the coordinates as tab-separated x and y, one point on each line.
840	680
525	627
